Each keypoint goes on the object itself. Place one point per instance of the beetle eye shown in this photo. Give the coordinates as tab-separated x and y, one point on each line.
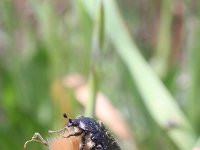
70	120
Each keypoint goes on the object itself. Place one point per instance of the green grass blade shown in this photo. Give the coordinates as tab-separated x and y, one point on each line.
97	45
157	98
90	107
163	50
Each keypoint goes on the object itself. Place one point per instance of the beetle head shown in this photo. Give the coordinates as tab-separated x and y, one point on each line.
72	122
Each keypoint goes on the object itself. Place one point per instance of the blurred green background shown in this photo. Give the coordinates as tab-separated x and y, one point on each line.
145	53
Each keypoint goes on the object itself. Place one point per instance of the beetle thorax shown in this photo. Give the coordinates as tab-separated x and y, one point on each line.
82	125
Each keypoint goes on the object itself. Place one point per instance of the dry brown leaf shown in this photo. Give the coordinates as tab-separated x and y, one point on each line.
105	111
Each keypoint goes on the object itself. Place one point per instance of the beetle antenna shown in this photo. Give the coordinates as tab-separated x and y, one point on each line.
65	116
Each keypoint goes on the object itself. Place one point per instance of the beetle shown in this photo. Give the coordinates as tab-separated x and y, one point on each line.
93	134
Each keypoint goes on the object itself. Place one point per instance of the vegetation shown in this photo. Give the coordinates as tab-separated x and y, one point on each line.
143	55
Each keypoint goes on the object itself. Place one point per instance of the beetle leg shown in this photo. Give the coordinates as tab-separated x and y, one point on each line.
58	131
74	134
77	133
37	138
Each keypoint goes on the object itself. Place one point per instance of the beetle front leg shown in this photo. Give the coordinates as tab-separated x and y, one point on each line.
76	133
